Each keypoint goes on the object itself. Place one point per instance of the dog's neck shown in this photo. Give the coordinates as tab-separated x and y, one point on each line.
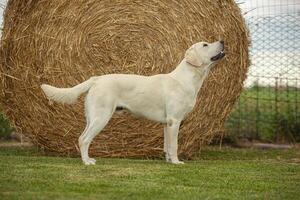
190	76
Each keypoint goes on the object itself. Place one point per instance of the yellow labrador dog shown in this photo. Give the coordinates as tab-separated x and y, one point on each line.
165	98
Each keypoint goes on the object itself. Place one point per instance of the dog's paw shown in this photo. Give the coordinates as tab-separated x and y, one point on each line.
89	161
177	162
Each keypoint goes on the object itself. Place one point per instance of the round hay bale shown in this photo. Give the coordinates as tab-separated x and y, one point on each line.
63	43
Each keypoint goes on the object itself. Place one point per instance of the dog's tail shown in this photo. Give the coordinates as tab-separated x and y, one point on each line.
67	95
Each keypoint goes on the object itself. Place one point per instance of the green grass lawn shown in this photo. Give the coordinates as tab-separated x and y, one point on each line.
229	173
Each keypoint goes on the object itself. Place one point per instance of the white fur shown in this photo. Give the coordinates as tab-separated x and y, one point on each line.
67	95
165	98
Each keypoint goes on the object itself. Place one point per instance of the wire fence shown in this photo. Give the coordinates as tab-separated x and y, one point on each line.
269	107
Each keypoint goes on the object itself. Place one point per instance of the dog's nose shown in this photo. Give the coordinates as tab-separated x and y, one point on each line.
222	42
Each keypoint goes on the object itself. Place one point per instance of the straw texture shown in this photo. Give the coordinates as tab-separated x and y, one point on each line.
63	43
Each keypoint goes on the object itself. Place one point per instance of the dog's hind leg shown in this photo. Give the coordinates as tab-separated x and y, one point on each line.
95	126
98	117
87	119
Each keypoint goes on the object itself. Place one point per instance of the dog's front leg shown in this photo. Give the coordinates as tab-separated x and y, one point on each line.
172	141
167	156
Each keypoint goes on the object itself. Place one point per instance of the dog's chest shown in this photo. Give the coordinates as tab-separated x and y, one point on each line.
190	102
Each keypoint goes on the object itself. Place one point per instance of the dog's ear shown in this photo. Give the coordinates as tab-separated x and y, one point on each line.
192	57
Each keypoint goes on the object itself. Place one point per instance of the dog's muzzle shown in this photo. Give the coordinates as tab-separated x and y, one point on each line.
219	55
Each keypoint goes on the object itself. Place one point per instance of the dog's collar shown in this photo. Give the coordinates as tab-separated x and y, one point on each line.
195	66
191	64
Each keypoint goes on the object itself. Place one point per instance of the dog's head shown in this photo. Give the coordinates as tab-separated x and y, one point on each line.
204	53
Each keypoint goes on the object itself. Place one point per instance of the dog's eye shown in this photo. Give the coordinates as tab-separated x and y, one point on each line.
205	45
